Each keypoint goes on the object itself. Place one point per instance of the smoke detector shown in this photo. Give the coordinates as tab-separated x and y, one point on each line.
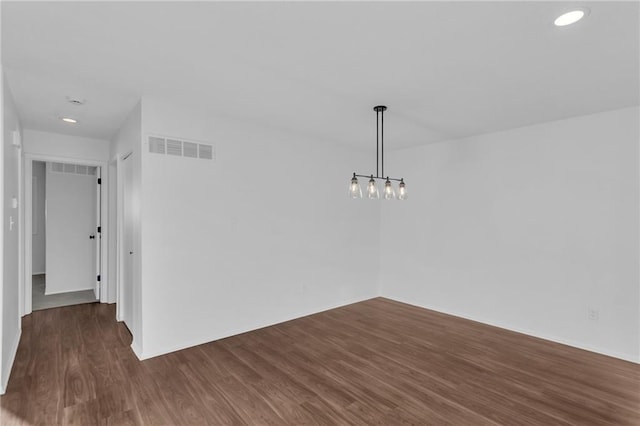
75	101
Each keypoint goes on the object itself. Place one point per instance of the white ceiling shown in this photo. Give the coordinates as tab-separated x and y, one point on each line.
445	69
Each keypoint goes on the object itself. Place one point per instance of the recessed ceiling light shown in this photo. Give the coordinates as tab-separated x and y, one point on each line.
571	17
69	120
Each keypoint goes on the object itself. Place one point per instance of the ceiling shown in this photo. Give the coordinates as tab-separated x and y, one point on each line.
444	69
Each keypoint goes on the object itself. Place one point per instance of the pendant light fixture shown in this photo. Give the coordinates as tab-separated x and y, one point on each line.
388	192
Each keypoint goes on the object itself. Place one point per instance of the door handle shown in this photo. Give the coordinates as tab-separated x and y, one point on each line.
91	237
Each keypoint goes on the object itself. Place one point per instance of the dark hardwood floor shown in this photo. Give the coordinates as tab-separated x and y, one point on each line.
375	362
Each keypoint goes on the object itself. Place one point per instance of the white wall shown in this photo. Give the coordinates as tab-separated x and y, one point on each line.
264	234
128	137
10	168
65	146
38	237
524	229
71	219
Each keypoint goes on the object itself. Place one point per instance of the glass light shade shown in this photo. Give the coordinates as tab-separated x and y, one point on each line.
402	190
354	189
372	190
389	192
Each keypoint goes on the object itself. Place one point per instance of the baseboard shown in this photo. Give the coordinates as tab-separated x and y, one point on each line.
555	339
46	293
137	350
6	372
173	348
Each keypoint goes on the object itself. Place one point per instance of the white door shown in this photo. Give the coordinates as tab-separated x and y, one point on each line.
126	298
71	228
98	238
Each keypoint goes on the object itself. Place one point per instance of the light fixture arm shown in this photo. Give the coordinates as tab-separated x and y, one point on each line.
379	177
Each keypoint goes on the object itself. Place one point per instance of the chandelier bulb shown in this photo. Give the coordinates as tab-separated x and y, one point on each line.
354	188
372	189
402	190
389	192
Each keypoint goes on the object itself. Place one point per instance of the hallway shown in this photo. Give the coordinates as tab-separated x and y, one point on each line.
42	301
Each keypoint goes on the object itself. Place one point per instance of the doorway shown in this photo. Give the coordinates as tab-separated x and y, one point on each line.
42	267
65	234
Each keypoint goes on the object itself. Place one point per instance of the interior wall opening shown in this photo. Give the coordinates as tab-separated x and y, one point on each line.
66	234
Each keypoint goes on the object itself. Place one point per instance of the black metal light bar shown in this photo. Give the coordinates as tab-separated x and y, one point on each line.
379	177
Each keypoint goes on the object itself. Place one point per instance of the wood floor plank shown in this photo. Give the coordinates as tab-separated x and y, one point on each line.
377	362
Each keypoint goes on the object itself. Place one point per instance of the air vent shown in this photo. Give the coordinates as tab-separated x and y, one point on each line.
190	149
205	151
174	147
156	145
180	148
73	169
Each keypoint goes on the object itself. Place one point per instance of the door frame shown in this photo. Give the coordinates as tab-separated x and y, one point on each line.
97	258
120	250
26	283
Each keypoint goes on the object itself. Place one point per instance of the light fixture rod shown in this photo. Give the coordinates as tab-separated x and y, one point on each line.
377	143
379	109
382	139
